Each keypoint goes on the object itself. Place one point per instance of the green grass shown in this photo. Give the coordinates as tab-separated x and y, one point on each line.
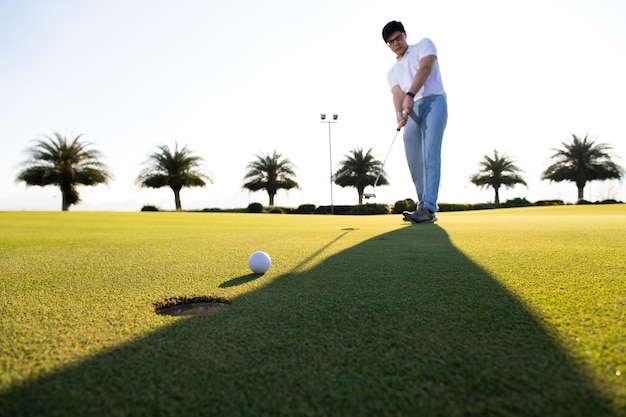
500	312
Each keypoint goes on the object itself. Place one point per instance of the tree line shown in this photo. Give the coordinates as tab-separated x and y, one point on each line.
55	160
579	161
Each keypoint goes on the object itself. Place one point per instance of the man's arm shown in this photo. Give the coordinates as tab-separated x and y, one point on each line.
426	66
406	101
398	99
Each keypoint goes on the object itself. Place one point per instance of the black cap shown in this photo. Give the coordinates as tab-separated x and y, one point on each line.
392	27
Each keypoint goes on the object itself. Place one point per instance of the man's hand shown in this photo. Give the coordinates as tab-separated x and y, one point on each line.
403	104
407	108
401	119
407	105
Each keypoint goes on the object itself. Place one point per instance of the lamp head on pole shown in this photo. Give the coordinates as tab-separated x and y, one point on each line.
323	116
335	116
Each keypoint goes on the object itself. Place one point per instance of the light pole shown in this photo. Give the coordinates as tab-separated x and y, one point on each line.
330	153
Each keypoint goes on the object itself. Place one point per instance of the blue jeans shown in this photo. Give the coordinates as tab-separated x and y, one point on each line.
423	134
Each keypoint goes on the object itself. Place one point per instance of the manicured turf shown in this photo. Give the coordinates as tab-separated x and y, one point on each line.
501	312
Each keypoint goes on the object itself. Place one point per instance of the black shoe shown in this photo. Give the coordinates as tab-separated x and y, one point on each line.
421	215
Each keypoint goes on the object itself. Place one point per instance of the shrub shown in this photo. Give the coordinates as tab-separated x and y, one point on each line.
455	207
149	208
305	209
337	209
404	205
369	209
276	210
517	202
549	203
255	208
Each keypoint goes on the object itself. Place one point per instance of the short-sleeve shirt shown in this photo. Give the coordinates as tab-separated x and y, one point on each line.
404	70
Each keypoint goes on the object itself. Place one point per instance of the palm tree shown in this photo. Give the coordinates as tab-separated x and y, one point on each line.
176	170
495	172
580	161
359	170
56	161
270	173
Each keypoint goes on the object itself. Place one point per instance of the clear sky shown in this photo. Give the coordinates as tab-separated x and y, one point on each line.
232	79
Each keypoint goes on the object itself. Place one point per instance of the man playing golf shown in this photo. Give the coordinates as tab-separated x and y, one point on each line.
421	108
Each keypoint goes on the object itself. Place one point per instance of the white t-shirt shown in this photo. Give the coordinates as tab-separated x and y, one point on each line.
404	70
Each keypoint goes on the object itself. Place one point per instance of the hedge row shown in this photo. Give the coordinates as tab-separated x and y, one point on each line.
399	206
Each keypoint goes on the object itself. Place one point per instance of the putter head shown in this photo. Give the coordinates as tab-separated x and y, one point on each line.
369	195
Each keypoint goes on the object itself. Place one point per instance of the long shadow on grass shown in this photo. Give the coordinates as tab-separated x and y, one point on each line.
403	324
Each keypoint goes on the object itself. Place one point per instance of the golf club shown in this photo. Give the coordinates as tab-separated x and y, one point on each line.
380	171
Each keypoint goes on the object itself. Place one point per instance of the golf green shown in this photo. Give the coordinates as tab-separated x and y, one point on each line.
495	312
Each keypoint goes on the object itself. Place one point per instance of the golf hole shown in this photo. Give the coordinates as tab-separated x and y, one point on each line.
190	306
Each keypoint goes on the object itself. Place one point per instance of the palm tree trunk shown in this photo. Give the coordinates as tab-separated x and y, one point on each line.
177	199
497	199
65	206
581	188
66	197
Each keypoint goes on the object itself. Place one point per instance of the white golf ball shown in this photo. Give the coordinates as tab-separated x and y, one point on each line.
259	262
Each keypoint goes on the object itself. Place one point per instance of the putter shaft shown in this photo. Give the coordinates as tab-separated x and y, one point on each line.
380	171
